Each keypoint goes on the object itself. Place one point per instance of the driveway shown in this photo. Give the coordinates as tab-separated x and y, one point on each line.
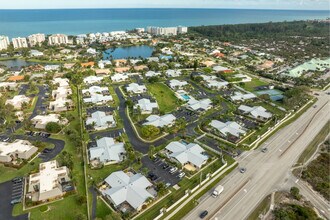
6	208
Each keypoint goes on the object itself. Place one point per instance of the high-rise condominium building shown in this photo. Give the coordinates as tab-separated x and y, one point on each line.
57	39
19	42
4	42
35	39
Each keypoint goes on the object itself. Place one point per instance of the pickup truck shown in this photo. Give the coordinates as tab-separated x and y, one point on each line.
217	191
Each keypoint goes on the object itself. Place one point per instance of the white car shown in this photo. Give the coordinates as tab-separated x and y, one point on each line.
181	175
173	169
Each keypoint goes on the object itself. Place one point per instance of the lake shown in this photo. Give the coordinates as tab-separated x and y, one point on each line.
128	52
18	63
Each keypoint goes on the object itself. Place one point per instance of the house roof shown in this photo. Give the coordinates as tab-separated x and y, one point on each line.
229	127
131	189
96	98
100	119
239	96
107	150
16	78
177	83
256	111
160	121
191	153
17	146
146	105
202	104
136	88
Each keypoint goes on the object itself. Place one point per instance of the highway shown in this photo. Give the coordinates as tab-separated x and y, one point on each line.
265	172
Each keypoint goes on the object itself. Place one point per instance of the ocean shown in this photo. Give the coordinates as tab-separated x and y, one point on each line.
19	23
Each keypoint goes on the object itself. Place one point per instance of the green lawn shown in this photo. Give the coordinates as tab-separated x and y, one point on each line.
254	83
102	210
165	97
8	173
262	208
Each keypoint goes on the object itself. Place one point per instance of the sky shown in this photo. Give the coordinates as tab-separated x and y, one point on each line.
249	4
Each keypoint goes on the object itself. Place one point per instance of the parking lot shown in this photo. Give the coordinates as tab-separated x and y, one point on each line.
189	116
113	134
159	173
8	191
99	108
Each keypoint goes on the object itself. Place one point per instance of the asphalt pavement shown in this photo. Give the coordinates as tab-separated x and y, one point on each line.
265	172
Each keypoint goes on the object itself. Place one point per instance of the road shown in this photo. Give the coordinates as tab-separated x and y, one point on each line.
266	172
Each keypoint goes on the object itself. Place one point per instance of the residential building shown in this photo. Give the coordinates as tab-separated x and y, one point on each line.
214	84
61	103
36	53
146	106
221	69
4	42
187	154
182	30
19	42
36	39
16	78
17	101
98	99
19	149
40	121
124	188
119	77
199	105
238	96
8	86
100	120
58	39
52	67
152	73
48	183
93	79
173	73
230	127
160	121
243	77
167	30
136	88
177	84
107	151
257	112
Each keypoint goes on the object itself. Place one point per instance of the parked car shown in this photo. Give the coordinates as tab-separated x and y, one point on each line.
17	180
15	201
173	169
181	175
203	214
166	166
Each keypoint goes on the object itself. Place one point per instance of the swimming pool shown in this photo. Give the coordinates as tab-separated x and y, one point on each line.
185	97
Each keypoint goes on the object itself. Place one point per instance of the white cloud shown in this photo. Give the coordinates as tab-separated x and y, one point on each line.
258	4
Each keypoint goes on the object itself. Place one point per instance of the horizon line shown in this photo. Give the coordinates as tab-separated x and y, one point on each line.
199	8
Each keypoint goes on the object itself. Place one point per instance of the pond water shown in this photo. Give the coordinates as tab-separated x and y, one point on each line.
143	51
274	94
18	63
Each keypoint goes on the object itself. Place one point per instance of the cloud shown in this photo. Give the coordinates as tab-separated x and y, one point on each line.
257	4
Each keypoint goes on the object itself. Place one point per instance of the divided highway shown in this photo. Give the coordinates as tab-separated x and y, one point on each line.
265	172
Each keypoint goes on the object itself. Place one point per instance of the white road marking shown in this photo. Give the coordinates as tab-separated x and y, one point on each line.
245	190
297	180
279	150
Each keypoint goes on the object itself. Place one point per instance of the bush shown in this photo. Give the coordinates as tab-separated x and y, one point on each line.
53	127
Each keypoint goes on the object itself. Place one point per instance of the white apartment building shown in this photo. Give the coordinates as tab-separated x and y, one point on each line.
19	149
20	42
167	30
48	183
35	39
4	42
57	39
